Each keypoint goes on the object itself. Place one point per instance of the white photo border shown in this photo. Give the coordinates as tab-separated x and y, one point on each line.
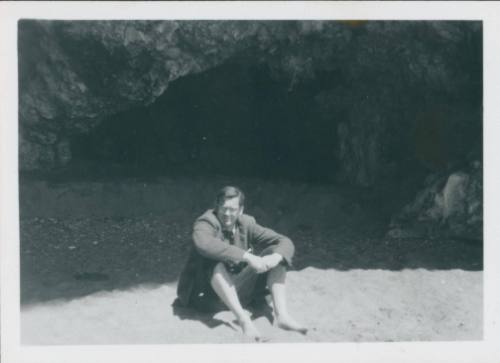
487	350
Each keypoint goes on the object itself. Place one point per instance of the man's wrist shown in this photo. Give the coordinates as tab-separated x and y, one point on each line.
247	256
278	257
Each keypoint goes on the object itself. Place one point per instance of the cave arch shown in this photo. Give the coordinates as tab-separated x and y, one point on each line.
364	91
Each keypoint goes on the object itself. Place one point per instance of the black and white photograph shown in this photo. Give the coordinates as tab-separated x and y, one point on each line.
227	181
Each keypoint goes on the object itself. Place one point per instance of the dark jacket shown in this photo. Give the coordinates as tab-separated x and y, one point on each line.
210	247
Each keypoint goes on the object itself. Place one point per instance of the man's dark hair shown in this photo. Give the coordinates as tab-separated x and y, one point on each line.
229	192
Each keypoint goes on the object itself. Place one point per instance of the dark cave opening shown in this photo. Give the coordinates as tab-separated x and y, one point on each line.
238	119
231	120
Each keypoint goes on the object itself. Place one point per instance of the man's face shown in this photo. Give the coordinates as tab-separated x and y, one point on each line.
228	212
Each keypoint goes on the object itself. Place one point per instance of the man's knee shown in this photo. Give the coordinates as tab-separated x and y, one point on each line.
276	275
220	274
279	268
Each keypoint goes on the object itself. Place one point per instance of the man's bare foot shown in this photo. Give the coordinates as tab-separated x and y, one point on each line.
288	323
249	329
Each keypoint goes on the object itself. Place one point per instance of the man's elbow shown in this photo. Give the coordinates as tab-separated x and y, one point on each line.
200	241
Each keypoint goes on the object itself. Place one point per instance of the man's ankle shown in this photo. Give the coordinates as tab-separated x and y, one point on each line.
244	317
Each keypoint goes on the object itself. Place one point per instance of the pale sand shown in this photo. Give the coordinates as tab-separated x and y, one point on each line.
354	305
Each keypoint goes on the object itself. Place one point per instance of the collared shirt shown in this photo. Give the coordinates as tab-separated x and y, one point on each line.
229	235
232	267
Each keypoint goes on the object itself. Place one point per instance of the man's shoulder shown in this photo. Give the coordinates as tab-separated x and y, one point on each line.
246	220
209	217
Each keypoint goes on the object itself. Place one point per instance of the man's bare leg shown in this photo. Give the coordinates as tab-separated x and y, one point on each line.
223	286
276	283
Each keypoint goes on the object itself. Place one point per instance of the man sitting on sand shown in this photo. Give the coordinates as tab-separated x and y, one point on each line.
225	270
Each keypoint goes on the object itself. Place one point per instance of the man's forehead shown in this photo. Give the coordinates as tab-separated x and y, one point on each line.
232	201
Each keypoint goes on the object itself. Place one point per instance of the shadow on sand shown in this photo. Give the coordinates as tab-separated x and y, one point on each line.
211	319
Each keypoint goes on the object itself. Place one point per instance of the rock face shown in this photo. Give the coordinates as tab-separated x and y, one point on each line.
75	74
377	85
450	203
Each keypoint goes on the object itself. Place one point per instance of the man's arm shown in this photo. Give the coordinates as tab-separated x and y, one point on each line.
212	247
279	244
259	264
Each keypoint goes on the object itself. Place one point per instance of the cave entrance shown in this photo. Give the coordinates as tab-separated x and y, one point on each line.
235	119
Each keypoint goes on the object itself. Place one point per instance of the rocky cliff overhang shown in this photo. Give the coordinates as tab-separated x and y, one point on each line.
394	81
